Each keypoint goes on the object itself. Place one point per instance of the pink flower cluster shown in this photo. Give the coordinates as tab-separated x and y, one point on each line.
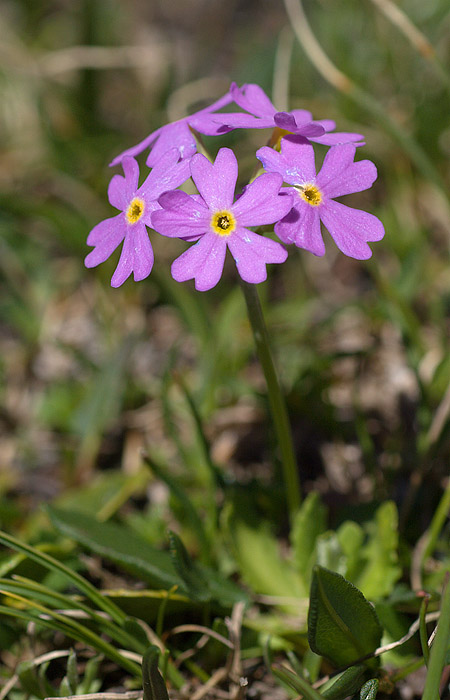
214	219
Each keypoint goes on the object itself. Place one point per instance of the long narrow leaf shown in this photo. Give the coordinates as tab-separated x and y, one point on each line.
439	648
297	683
53	564
40	592
74	631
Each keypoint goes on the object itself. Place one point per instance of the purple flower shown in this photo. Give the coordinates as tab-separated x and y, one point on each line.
178	135
314	197
217	223
263	115
136	205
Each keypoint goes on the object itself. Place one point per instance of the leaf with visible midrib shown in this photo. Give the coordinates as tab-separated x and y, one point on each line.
342	624
119	544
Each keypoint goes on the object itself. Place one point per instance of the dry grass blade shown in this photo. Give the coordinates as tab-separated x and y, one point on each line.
205	631
418	40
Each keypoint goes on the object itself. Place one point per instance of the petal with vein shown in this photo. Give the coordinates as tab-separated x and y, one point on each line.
302	227
202	262
252	98
216	181
252	253
125	265
106	237
261	204
117	193
351	228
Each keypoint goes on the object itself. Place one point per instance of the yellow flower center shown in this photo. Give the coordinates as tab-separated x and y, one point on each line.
310	193
135	210
223	223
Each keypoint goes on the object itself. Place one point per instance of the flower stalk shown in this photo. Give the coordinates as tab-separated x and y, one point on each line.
276	399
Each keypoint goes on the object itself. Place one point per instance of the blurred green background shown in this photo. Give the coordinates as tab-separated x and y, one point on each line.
363	347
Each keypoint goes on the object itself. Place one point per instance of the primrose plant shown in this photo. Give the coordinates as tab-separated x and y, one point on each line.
287	194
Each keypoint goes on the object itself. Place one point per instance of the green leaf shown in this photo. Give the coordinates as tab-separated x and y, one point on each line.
309	523
380	553
342	624
39	592
54	565
344	684
118	544
72	672
154	686
91	681
369	690
190	515
189	572
258	555
351	538
64	688
292	680
329	553
32	682
71	628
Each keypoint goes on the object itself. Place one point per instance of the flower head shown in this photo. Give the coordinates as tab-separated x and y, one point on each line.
218	222
178	134
262	115
314	197
136	205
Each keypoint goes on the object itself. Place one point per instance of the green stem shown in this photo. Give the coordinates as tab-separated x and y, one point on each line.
276	398
423	629
437	523
439	647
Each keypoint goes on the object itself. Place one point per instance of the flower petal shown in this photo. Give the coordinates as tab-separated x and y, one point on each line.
106	237
203	122
143	252
131	171
125	265
336	161
302	227
241	120
299	157
273	161
181	215
209	124
202	262
340	175
295	163
150	208
135	150
252	253
338	138
145	143
351	228
169	172
175	135
137	256
328	124
218	104
261	203
302	116
216	181
286	121
253	99
117	192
